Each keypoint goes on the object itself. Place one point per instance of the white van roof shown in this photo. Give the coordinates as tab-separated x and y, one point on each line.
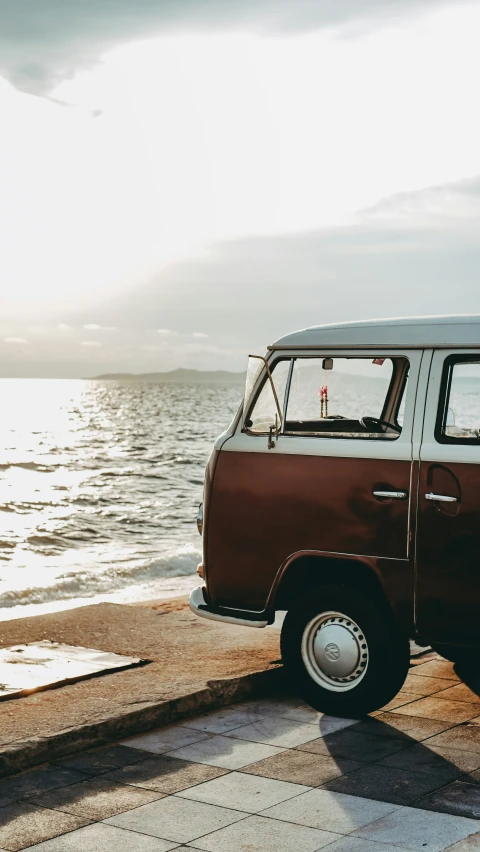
449	332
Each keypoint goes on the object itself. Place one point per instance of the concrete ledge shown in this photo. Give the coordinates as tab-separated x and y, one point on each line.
236	663
218	693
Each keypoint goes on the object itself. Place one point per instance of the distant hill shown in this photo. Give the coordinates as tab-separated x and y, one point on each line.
181	376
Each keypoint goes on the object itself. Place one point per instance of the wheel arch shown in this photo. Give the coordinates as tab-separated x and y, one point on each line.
308	569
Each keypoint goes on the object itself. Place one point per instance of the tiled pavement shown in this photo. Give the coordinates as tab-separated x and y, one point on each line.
269	776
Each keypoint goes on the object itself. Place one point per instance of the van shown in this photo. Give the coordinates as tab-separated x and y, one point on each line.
346	493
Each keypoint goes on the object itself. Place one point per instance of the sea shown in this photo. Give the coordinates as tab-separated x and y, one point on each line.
100	483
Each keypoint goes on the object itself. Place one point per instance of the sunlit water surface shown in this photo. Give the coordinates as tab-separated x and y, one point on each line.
99	488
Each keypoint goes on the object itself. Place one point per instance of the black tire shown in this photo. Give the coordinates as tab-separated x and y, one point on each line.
387	648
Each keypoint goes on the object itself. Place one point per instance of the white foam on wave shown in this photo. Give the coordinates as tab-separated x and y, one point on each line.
161	589
126	580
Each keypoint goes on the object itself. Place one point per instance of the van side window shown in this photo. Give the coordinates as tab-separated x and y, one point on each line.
459	412
262	415
346	397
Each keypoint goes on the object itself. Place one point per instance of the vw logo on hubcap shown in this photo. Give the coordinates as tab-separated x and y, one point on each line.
332	652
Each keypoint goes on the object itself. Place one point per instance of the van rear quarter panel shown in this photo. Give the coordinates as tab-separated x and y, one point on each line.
264	507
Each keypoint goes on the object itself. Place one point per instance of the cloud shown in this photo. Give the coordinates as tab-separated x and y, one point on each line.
91	343
451	204
14	340
199	334
44	41
248	292
62	326
93	326
384	264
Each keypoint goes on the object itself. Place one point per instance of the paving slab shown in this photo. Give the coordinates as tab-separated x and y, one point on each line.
461	692
220	721
96	798
267	835
274	731
303	768
436	707
461	737
402	697
386	784
166	739
470	844
436	668
21	825
165	774
237	663
250	793
361	746
422	685
98	760
408	727
356	844
40	781
227	752
460	798
330	811
325	724
419	830
446	764
177	819
104	838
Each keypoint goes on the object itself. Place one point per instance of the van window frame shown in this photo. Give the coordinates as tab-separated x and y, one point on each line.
444	398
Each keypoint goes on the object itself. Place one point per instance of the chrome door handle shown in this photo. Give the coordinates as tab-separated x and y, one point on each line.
440	498
396	495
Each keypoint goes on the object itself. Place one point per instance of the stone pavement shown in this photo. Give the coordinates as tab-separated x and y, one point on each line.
269	775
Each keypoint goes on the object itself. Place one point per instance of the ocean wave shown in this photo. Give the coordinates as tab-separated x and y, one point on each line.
30	465
87	584
45	539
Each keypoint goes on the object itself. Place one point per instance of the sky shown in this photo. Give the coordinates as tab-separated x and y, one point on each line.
184	181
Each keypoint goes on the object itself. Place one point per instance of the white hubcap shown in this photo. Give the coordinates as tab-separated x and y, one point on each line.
335	651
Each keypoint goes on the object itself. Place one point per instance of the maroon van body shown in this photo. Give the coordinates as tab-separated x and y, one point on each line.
345	492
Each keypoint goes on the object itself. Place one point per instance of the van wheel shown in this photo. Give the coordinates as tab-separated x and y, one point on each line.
343	654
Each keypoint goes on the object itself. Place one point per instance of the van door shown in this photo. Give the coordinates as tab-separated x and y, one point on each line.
448	538
337	481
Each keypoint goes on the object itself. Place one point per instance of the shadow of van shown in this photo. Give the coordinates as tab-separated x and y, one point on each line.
414	760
